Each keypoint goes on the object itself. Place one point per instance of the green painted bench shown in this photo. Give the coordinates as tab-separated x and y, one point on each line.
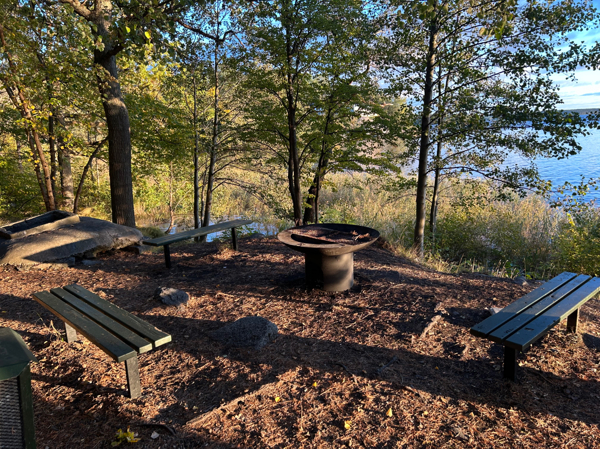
180	236
117	332
529	318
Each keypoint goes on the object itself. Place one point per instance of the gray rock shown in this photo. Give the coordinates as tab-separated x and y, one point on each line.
59	264
171	296
89	263
136	249
89	236
248	332
494	310
68	262
520	280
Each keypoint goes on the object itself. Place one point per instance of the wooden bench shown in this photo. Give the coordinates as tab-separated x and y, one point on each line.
180	236
117	332
529	318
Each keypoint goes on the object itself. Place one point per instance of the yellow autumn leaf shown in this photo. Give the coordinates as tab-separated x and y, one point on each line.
314	384
347	424
389	412
277	399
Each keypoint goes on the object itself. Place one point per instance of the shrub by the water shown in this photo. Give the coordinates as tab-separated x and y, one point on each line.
578	243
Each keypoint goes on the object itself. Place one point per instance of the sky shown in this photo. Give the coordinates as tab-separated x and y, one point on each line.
583	93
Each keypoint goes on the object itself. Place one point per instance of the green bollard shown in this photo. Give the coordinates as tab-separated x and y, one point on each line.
16	400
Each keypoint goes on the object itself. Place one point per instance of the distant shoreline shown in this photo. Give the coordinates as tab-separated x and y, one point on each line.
581	111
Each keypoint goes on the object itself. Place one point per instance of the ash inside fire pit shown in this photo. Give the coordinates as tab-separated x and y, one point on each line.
317	234
329	251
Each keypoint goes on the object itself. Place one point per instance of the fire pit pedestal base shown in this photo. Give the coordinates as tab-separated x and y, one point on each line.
329	252
331	273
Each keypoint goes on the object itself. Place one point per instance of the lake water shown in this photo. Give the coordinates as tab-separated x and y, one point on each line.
586	163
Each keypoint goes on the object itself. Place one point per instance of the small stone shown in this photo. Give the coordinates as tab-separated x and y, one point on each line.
494	310
154	435
171	296
252	331
520	280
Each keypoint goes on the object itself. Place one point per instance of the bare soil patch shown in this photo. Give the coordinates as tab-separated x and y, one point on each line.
388	364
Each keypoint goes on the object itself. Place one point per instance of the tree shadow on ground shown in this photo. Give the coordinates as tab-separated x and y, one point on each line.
478	381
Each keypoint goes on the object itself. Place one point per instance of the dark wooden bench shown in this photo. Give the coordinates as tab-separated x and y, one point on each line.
529	318
180	236
117	332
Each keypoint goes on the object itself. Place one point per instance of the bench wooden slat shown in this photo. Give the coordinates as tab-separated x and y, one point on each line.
503	332
542	324
131	338
180	236
106	341
495	321
141	327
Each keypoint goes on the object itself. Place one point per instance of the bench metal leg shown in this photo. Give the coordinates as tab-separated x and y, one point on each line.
234	239
573	321
71	333
510	363
167	256
133	377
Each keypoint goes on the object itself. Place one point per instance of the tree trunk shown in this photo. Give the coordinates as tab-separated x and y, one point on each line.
214	144
294	163
311	212
419	237
53	156
36	168
115	110
197	222
66	174
438	155
119	144
434	196
171	206
83	175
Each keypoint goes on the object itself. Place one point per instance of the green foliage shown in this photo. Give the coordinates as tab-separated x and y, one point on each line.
515	233
151	232
578	244
19	193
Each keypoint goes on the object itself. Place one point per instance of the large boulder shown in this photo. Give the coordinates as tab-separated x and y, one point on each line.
250	332
88	237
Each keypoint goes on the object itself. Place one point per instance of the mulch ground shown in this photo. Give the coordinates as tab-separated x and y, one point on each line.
369	368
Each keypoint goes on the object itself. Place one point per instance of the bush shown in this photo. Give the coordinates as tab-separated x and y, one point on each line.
577	247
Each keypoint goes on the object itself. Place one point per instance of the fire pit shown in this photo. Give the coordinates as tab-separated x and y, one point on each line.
329	252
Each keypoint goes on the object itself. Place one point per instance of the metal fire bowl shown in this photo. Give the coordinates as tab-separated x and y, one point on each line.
330	265
327	249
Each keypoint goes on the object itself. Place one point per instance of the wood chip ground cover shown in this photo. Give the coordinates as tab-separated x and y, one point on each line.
388	364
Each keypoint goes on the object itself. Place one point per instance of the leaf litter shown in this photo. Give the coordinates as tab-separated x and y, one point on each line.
388	364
